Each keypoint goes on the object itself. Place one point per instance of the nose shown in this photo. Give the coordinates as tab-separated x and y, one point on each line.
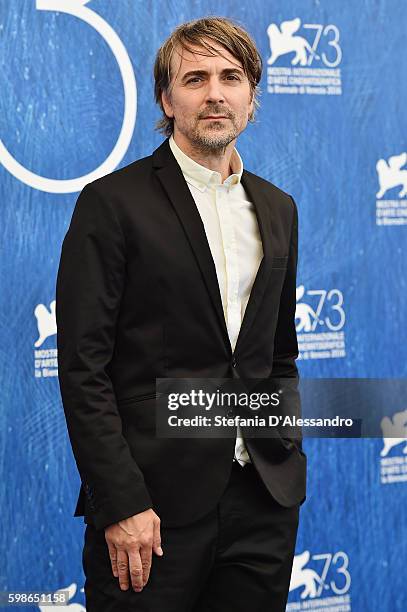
214	92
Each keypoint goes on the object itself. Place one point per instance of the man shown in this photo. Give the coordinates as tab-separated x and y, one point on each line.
182	265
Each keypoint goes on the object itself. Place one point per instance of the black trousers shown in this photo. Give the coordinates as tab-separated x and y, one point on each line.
237	558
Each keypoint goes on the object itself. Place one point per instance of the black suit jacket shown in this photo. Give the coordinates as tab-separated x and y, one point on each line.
138	299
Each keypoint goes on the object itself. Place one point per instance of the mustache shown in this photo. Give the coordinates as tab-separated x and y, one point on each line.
216	111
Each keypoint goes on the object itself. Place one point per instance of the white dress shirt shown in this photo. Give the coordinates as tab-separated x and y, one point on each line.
232	231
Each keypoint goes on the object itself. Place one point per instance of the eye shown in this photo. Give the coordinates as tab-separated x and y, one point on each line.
194	80
233	77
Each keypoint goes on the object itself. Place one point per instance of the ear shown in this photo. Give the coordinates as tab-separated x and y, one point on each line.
251	107
167	106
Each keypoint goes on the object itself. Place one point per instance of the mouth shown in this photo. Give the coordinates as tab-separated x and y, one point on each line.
214	117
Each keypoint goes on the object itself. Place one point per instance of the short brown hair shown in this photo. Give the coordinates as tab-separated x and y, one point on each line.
219	30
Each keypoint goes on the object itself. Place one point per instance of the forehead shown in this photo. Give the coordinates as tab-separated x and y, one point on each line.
184	60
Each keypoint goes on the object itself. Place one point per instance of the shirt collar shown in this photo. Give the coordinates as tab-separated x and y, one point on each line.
202	177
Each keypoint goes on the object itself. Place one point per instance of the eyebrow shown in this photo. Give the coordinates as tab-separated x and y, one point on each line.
224	72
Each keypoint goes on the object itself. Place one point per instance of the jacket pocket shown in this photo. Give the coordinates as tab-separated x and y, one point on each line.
136	398
279	263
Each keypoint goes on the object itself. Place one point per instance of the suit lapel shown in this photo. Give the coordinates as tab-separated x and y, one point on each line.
172	180
257	196
170	175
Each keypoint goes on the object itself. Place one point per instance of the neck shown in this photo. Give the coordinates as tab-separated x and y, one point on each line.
217	160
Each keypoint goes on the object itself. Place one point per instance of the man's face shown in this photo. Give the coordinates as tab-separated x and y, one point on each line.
210	98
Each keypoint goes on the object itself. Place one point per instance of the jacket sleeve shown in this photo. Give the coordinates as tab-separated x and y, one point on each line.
285	341
89	287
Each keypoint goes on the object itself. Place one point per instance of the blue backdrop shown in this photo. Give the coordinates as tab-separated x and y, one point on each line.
76	99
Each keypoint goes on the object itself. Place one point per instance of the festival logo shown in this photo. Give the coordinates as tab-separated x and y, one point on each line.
327	582
392	176
393	455
79	10
45	358
319	322
304	59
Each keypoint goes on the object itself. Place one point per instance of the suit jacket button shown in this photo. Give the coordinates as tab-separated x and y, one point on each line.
234	362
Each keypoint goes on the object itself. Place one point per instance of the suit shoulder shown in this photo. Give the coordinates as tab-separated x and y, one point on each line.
276	195
123	178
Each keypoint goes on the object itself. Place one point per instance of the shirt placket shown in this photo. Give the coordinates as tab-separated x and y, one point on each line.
233	314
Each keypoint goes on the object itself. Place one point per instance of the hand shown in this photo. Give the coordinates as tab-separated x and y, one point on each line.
130	543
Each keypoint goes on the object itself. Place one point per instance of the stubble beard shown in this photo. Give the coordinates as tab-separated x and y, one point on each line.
205	139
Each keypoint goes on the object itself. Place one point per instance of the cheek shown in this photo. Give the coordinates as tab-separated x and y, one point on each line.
242	105
183	108
243	112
